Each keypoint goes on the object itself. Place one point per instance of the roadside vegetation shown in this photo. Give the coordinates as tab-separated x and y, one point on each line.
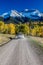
10	30
3	40
37	40
25	28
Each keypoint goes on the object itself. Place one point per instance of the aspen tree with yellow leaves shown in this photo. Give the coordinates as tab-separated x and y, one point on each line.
2	27
11	28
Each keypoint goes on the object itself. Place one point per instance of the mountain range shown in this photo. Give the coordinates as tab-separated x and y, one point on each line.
22	16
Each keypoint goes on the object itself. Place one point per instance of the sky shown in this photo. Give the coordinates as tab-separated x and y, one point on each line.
20	5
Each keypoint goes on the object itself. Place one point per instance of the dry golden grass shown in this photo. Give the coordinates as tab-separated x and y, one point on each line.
7	35
39	39
3	40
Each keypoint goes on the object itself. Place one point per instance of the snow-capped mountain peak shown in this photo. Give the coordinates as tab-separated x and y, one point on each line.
29	13
26	9
4	14
36	12
14	13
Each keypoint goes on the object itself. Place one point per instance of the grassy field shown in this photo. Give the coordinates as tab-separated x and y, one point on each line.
4	38
7	35
38	40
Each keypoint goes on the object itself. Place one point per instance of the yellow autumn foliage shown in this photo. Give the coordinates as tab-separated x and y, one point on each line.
37	31
11	28
6	28
2	25
24	28
34	30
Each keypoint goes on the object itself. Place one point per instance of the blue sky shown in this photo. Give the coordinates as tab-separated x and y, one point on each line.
7	5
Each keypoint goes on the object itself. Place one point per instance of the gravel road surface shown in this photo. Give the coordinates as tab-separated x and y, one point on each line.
20	52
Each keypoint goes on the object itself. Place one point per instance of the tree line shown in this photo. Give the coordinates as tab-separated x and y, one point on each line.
26	29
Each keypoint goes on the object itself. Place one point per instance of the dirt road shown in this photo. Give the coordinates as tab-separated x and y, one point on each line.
20	52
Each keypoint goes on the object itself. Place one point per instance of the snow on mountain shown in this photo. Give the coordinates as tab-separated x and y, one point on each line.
12	13
32	14
29	13
26	9
4	14
36	12
15	13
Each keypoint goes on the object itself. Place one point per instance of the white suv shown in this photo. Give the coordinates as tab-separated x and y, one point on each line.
20	36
